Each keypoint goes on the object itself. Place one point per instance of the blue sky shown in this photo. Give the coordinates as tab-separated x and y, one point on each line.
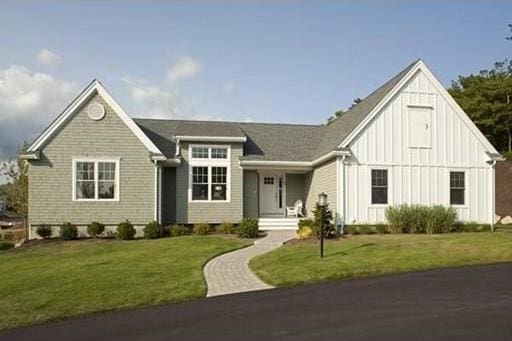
289	61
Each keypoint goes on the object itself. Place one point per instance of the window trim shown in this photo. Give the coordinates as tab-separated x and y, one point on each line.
96	179
209	163
449	196
388	199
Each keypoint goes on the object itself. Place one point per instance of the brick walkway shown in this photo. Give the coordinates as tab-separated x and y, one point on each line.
229	273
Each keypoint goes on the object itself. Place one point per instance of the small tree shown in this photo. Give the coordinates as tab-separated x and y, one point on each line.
323	215
17	190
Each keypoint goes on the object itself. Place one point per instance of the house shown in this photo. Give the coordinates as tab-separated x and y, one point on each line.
407	142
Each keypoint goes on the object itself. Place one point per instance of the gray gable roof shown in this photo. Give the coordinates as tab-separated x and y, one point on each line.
272	141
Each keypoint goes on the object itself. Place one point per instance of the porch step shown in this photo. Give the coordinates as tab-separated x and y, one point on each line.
278	223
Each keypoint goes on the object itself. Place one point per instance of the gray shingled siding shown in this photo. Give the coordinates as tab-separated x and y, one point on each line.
295	188
168	195
321	179
50	179
211	212
251	190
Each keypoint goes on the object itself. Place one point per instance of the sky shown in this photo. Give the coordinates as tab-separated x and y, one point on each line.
283	61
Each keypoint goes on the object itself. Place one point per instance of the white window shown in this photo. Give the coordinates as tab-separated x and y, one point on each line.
95	180
419	127
379	186
457	188
209	173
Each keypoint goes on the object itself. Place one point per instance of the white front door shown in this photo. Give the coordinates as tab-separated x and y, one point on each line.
271	194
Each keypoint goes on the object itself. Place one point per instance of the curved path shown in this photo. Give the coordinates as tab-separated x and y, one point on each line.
229	273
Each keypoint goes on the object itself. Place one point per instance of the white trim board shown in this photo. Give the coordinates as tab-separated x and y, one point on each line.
95	87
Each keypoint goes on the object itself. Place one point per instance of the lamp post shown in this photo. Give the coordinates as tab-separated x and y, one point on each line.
322	202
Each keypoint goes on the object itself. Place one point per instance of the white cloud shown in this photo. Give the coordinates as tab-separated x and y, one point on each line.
229	87
186	67
48	57
28	102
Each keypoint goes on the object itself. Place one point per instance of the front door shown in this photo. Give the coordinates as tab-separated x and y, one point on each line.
271	194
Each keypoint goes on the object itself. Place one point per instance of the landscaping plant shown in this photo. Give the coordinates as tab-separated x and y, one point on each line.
153	230
95	229
44	231
227	228
248	228
323	217
6	245
202	229
68	231
178	230
125	230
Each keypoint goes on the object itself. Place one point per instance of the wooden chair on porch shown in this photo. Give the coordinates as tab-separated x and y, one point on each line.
295	210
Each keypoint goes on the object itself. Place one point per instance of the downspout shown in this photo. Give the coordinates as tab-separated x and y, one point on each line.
340	189
343	192
156	213
493	193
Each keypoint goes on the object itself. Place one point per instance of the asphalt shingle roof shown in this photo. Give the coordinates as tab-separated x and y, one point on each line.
272	141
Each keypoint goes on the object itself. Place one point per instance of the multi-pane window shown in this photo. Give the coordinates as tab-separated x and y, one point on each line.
200	152
219	183
219	153
268	180
95	180
199	183
457	188
379	186
85	184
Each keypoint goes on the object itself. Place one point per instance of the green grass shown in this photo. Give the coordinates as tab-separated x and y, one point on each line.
358	256
59	279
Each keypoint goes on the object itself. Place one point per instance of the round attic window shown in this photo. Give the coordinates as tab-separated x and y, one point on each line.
96	111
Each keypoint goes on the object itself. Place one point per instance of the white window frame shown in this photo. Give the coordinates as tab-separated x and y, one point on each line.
96	179
209	163
449	195
388	192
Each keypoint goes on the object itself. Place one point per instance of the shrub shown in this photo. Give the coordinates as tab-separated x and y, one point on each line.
178	230
351	229
458	226
323	218
153	230
484	228
44	231
125	230
68	231
8	236
201	229
306	222
95	229
396	216
367	229
441	219
248	228
227	228
304	232
382	228
6	245
470	227
418	219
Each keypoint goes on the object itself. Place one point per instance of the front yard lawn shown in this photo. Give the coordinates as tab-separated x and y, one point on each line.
59	279
298	262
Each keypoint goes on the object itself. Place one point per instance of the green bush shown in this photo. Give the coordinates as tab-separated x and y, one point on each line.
484	228
153	230
306	223
68	231
382	228
470	227
6	245
227	228
125	230
8	236
95	229
441	219
351	229
44	231
248	228
367	229
323	218
397	218
201	229
178	230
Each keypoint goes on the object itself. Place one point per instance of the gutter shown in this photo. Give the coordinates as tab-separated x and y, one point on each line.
36	155
307	165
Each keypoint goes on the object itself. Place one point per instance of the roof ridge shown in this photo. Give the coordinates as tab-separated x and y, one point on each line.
231	122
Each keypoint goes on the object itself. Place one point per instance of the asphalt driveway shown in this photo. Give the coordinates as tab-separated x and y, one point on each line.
472	303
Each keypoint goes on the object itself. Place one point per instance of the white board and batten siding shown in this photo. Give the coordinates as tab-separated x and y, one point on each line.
419	137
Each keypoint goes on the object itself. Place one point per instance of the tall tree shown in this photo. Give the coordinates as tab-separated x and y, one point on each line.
17	189
487	98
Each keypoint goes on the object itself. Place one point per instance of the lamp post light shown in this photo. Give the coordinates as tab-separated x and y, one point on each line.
322	202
